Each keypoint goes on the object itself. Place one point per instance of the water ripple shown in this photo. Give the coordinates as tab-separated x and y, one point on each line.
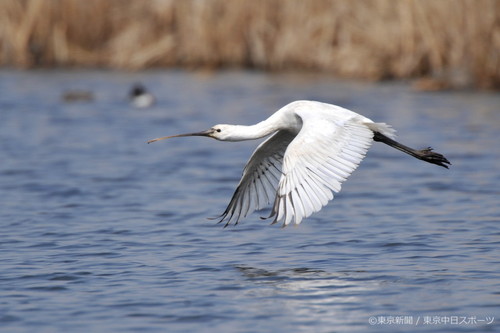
104	233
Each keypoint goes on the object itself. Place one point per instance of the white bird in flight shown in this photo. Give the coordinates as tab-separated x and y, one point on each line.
313	148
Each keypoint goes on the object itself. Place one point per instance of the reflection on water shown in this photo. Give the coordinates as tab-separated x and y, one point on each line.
102	232
315	296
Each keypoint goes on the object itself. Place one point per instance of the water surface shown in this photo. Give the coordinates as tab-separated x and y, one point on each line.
101	232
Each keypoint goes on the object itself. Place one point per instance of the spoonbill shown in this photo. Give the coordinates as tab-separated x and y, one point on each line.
313	148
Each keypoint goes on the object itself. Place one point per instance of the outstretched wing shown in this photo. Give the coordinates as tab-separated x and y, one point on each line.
259	182
316	162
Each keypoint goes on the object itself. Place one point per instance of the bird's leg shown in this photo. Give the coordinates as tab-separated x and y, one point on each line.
425	154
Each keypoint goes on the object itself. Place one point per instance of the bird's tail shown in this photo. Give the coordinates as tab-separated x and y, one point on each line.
383	128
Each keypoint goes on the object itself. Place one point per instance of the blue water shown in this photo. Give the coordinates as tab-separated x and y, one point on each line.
101	232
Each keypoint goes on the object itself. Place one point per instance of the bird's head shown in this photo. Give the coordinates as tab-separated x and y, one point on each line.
220	132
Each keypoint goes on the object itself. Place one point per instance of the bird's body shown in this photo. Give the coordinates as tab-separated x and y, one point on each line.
140	97
313	148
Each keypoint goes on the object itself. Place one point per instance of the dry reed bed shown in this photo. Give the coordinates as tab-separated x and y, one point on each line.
457	41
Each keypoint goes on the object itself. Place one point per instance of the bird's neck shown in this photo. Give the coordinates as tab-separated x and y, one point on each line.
278	121
252	132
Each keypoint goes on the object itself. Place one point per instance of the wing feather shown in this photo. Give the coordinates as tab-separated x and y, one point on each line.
260	179
315	164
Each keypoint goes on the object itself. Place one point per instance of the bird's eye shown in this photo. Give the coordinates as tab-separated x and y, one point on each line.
218	130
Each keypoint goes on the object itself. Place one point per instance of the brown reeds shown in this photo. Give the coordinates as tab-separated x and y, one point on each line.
455	41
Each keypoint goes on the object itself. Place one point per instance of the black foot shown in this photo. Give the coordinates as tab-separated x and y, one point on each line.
435	158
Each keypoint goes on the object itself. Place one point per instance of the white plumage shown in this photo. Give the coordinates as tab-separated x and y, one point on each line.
313	148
